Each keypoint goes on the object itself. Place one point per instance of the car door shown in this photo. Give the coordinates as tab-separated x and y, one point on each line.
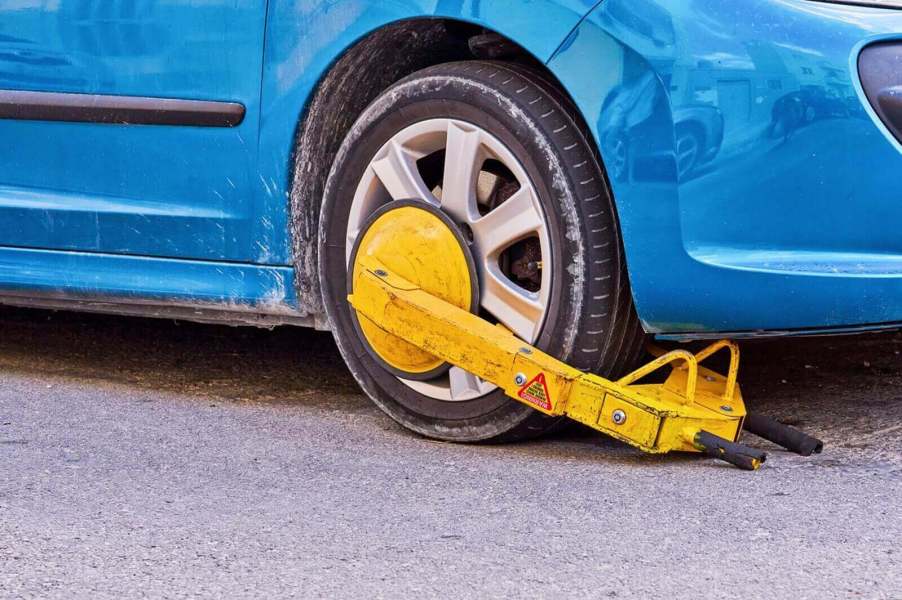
130	126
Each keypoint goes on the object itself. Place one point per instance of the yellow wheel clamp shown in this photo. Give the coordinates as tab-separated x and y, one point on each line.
413	290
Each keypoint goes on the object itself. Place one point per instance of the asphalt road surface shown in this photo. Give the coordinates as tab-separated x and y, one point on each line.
159	459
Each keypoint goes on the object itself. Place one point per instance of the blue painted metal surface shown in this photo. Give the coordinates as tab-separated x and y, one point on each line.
151	190
90	275
755	187
790	219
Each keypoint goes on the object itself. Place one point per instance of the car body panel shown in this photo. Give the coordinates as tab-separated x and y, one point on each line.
793	224
772	225
168	191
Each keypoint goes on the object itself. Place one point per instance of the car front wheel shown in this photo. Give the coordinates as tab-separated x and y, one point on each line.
500	152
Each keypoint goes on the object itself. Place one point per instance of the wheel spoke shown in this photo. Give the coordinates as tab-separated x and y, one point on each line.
510	222
516	308
397	170
463	383
463	159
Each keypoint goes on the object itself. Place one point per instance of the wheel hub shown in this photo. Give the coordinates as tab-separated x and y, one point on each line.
421	244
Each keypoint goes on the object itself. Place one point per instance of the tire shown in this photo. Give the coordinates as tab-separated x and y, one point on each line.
589	320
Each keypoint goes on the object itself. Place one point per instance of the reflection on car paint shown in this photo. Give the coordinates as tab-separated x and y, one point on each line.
743	160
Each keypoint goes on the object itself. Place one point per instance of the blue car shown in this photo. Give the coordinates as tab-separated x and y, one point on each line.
680	168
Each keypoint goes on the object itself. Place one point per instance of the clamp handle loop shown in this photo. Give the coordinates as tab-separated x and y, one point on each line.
672	356
733	372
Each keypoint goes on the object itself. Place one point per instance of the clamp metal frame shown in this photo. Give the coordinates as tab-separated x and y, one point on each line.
695	410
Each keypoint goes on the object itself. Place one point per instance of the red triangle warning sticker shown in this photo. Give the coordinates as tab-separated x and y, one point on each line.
536	392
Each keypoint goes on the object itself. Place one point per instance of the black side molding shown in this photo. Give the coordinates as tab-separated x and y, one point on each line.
122	110
880	70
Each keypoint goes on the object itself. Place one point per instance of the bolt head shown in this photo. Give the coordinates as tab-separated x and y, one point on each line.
380	273
520	379
619	417
726	408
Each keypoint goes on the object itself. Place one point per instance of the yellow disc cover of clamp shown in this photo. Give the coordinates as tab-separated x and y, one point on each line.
421	244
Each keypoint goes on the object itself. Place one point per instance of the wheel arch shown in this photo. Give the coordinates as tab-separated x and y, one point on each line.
343	92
